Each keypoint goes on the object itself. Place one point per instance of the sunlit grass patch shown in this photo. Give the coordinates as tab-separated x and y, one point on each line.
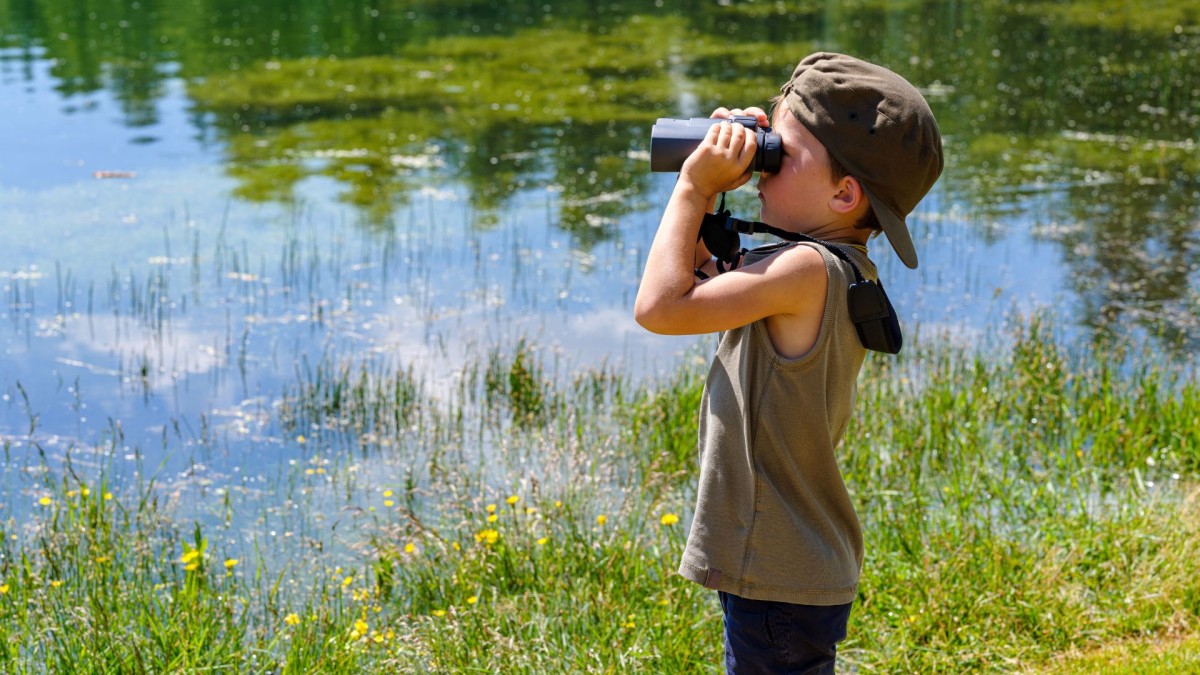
115	586
1153	654
543	588
1021	504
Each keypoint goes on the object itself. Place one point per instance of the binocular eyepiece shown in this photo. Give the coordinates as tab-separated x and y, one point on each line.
673	140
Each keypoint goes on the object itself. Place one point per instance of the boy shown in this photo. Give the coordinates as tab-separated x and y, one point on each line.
774	531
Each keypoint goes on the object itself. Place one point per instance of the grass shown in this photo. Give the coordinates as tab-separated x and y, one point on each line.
1169	655
1026	508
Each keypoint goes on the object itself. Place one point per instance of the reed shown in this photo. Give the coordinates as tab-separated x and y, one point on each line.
1024	505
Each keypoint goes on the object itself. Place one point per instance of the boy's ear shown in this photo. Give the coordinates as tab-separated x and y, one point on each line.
848	196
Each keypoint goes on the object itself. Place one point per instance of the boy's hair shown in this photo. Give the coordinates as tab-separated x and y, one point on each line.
876	127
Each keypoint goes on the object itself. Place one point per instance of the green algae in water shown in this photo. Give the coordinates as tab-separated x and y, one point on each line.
547	107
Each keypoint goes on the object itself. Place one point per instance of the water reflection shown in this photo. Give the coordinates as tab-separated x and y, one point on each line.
541	108
1076	121
493	158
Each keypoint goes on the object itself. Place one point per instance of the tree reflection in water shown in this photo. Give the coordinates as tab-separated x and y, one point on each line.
1078	121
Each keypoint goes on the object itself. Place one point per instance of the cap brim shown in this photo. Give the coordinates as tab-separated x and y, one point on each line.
895	229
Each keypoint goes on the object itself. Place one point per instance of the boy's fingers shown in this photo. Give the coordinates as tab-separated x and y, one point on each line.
751	144
758	114
728	133
714	134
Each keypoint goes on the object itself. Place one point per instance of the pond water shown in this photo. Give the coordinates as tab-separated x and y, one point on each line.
200	198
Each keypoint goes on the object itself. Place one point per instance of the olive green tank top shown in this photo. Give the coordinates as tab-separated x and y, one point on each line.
773	520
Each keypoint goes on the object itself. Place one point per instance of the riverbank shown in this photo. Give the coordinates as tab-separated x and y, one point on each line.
1020	500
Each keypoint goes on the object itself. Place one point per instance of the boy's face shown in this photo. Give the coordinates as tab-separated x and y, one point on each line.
797	197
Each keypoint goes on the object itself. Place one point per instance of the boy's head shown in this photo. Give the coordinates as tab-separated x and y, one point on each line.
877	127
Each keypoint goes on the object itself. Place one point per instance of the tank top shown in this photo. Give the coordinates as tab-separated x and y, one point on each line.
773	519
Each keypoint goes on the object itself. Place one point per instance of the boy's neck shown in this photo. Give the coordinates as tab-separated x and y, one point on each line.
843	234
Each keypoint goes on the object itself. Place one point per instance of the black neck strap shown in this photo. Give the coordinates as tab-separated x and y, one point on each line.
869	308
720	232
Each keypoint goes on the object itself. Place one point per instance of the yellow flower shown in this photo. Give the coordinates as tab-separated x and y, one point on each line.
189	556
542	541
191	567
389	503
56	583
3	589
301	438
387	493
669	519
439	612
472	600
85	492
309	472
493	518
454	545
491	508
601	519
488	536
231	563
292	619
107	496
513	500
360	626
347	581
45	501
409	547
557	504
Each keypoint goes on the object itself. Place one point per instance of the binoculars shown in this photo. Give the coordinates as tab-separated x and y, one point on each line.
673	140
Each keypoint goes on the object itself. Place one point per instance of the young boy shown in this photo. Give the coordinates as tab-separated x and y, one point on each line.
774	531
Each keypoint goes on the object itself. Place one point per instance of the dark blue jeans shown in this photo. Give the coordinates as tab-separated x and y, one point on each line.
780	637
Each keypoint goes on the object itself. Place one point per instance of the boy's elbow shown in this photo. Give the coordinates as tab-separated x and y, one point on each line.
643	313
649	315
658	318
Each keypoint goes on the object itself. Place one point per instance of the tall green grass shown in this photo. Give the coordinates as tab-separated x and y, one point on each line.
1020	501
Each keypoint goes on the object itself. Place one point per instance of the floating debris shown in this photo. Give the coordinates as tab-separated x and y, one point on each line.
102	175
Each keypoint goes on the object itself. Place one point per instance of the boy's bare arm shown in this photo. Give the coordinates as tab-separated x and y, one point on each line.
670	300
790	285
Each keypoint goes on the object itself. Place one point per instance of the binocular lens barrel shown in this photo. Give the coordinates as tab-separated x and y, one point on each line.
673	140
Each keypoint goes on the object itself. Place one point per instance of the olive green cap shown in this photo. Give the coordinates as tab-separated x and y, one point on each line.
879	127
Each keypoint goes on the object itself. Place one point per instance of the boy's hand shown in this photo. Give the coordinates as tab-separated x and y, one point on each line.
721	162
753	111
